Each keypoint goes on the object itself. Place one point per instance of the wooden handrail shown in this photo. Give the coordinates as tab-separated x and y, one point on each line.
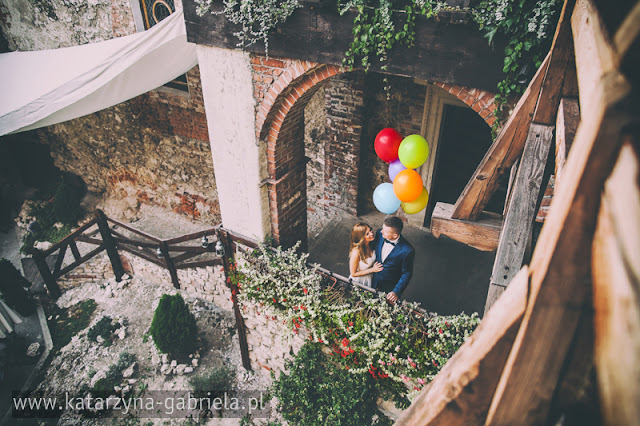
69	237
194	235
134	230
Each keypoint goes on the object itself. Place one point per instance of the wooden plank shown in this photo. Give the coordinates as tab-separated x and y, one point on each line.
200	264
134	230
80	261
595	54
226	241
88	240
68	238
109	244
562	49
146	256
462	391
59	259
164	249
138	243
518	222
566	126
188	237
502	154
627	42
74	249
50	282
182	257
193	249
482	234
615	300
560	268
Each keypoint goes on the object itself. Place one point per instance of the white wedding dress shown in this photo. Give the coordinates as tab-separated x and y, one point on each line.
362	265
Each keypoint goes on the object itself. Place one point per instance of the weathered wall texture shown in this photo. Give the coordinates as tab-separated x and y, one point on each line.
50	24
153	149
314	139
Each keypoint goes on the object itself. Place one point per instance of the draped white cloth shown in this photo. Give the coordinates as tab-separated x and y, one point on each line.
8	319
46	87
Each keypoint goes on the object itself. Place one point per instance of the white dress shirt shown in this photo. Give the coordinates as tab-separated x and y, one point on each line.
387	248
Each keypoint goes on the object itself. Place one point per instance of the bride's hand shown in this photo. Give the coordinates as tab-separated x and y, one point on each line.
377	267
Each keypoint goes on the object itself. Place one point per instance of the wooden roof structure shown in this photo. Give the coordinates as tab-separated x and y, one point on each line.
566	327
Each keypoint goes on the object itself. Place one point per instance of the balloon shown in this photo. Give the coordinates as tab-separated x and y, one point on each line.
413	151
407	185
418	204
386	144
384	199
395	167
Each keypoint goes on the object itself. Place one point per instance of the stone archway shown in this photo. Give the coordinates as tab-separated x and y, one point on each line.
282	89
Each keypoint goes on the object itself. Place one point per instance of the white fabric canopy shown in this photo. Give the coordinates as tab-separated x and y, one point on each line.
46	87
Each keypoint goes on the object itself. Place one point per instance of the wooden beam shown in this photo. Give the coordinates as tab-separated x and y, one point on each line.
595	53
566	126
109	244
460	394
504	151
615	294
562	49
627	42
560	268
482	234
518	222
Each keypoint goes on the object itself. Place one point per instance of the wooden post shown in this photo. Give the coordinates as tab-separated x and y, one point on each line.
521	213
164	249
45	273
223	236
109	244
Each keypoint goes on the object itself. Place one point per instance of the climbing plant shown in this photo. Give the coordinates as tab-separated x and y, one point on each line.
528	27
255	17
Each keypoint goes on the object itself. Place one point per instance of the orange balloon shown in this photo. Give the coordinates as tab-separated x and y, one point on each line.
407	185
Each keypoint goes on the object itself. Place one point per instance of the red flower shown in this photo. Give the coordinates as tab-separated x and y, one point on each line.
350	324
345	342
303	308
305	291
274	299
320	340
440	331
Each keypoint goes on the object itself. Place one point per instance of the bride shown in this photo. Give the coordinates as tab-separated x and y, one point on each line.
362	257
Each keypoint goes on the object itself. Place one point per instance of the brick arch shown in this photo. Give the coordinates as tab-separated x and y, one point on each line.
480	101
282	90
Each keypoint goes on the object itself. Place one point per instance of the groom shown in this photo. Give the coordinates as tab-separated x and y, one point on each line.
396	255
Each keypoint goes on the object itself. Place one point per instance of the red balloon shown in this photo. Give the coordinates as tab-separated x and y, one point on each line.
386	144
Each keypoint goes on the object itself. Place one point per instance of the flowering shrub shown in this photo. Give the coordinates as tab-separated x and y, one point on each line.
365	333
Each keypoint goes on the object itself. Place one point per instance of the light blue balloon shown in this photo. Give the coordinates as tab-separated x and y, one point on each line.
384	199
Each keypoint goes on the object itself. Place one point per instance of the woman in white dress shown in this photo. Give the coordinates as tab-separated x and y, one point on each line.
362	257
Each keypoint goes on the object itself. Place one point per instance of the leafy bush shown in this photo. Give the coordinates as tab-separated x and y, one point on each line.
71	321
66	204
13	288
103	328
173	327
113	376
317	392
210	385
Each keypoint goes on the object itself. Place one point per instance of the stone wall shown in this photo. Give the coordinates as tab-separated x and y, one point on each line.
153	149
314	139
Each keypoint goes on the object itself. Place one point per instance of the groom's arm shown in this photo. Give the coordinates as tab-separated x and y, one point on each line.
407	272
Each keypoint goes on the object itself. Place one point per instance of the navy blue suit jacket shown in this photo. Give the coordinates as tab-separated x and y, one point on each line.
397	267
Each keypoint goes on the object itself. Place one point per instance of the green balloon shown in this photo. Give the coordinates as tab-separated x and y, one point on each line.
413	151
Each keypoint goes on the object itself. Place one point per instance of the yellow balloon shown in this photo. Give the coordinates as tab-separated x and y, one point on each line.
418	204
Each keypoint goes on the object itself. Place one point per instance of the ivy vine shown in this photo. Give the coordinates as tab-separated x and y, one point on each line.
255	17
380	25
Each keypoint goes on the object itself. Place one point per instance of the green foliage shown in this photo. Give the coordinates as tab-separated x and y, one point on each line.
218	379
13	289
173	327
113	376
365	333
64	207
317	392
256	18
66	204
103	328
71	321
528	27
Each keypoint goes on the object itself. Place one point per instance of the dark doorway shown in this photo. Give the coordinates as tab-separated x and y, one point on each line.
464	139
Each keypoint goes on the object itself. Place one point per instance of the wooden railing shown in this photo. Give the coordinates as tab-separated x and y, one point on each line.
110	235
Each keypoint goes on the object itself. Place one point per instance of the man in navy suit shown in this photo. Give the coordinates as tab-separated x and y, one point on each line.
396	255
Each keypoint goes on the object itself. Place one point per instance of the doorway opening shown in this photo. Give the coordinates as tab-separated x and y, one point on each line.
464	140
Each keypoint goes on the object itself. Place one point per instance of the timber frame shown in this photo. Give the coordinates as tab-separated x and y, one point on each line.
563	331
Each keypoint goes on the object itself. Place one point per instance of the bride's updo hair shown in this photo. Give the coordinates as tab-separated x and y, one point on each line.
358	233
